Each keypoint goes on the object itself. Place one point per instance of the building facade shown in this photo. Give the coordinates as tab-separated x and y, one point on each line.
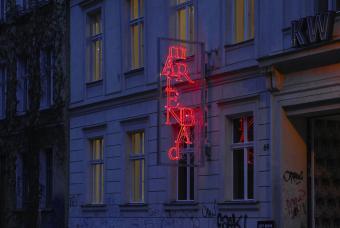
271	72
33	102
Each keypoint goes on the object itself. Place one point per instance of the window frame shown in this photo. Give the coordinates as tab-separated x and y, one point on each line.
90	40
139	22
136	157
229	110
245	147
91	163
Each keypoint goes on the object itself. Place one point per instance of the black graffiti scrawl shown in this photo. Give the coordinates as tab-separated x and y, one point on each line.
293	177
232	221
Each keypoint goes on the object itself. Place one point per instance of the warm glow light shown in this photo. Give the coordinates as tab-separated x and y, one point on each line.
176	69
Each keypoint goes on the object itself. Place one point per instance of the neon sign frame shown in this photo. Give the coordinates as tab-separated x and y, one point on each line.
174	73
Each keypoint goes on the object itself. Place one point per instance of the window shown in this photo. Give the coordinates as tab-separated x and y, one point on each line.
136	163
3	9
185	20
243	20
22	91
46	177
96	171
2	92
186	177
95	46
137	33
186	172
19	182
22	3
322	6
243	157
47	73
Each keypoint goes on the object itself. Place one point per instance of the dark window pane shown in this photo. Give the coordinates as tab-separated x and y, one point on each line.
238	174
182	178
250	126
250	164
337	8
238	130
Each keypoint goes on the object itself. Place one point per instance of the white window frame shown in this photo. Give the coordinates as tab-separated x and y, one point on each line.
186	6
90	39
93	162
243	146
133	157
139	21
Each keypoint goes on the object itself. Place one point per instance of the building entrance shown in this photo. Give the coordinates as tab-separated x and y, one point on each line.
324	172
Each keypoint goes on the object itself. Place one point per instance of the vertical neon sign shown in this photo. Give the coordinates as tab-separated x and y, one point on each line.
176	70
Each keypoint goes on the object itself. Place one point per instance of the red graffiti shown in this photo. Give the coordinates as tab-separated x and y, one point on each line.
296	205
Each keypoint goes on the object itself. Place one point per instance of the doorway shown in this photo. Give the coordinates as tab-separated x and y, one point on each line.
324	172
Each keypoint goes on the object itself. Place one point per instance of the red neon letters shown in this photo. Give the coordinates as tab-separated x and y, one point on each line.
176	69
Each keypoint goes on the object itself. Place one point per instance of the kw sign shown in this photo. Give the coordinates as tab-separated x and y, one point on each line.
312	29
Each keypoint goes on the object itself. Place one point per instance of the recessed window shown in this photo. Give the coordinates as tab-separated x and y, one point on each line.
137	166
96	171
94	46
243	157
243	20
136	33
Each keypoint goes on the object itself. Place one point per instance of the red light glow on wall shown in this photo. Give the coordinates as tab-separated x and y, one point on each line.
176	70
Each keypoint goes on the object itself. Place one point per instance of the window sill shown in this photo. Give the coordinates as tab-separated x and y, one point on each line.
94	83
238	205
134	71
179	205
246	43
134	207
93	207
